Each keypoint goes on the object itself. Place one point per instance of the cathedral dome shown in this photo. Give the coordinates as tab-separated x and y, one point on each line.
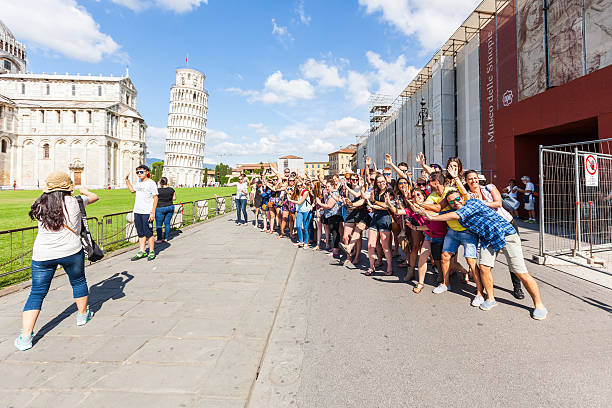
4	31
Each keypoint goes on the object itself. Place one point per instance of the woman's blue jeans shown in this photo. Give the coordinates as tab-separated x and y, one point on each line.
43	271
163	215
302	224
241	205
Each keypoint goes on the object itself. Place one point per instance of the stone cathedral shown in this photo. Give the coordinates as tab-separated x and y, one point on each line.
87	126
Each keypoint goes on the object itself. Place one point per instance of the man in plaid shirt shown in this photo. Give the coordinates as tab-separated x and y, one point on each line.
496	235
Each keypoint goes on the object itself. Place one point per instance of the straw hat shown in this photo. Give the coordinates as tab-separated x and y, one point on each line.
58	181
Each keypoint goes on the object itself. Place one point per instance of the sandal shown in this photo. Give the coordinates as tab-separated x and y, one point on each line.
369	272
389	273
418	288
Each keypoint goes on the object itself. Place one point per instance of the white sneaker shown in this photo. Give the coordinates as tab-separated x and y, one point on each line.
477	301
441	288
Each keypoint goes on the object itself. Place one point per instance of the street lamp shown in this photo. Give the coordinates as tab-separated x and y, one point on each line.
423	117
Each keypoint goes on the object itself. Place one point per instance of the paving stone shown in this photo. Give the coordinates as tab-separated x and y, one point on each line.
144	326
208	402
17	376
115	399
152	308
57	349
16	399
154	378
117	349
204	328
184	351
46	399
78	376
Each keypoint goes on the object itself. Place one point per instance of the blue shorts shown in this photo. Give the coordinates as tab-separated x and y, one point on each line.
381	221
453	239
144	228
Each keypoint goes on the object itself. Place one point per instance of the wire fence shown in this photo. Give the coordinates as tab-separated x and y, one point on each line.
576	203
111	232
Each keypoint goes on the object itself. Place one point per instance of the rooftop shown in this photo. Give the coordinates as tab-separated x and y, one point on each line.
290	157
344	151
66	76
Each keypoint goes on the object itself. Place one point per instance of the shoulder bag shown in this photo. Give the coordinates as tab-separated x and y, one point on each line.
92	250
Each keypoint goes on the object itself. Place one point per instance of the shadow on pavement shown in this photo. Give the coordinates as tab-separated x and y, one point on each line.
107	289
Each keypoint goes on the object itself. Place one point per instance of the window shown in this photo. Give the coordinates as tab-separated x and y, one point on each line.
127	99
46	151
73	90
1	111
59	116
99	90
23	89
74	118
4	146
7	64
42	116
48	89
125	123
89	116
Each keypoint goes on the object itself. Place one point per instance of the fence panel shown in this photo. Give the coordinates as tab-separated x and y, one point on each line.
575	207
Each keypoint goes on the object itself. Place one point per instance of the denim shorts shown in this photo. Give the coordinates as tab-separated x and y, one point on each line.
453	239
436	247
381	221
144	228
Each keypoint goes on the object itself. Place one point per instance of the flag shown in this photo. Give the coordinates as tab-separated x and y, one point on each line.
187	59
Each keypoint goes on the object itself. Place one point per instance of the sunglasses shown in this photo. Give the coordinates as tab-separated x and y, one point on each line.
354	179
421	184
386	174
140	172
401	183
456	200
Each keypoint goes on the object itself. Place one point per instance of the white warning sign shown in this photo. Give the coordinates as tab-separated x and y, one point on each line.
591	170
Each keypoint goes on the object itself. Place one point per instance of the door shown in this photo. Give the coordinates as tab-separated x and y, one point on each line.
77	177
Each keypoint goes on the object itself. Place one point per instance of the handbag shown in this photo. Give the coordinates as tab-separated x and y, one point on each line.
92	250
510	204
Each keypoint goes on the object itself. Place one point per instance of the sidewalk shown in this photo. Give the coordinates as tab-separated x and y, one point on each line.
194	327
188	329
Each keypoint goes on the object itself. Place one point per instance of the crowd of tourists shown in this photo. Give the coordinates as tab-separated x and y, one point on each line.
421	220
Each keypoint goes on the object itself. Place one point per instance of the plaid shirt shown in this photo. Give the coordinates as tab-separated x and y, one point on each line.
490	227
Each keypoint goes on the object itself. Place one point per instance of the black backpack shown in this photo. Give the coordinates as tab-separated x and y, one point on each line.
92	250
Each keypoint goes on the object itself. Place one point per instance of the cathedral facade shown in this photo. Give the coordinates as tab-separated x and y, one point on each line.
87	126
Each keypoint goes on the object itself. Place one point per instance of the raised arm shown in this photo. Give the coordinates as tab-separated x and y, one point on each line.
399	172
453	173
91	197
420	159
497	198
129	184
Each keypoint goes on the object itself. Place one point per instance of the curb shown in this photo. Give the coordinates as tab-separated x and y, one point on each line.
24	285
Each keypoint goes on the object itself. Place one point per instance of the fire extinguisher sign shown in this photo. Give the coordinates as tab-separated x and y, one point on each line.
591	170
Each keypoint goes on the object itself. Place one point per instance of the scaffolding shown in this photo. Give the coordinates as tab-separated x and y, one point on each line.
380	110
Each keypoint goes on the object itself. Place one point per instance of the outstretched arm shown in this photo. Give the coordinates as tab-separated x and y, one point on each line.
420	159
399	172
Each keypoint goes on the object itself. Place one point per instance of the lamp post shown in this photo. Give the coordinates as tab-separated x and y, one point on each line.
423	116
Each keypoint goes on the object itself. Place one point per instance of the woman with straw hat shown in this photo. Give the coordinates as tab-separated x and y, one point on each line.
57	243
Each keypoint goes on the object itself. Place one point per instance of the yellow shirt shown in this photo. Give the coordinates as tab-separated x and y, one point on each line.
435	198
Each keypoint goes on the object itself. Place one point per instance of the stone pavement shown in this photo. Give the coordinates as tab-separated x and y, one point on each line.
222	303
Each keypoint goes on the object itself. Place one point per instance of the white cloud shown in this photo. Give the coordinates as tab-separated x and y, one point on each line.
327	76
178	6
62	26
281	32
358	88
432	21
294	139
156	141
393	76
279	90
216	135
299	10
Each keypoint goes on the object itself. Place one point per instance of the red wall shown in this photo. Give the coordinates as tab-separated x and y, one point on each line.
524	125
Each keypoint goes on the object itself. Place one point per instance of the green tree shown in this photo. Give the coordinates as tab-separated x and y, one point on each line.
205	178
157	170
222	170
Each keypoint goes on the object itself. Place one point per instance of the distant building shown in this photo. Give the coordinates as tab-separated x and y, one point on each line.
85	125
340	161
313	169
294	163
252	167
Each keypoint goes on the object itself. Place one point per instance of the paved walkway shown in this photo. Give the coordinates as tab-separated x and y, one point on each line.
221	303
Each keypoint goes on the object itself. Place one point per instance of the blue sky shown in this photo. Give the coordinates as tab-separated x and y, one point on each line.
284	77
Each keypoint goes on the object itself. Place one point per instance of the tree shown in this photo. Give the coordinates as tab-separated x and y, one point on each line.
205	178
157	170
222	170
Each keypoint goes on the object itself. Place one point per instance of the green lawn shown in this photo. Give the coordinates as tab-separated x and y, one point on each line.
15	247
15	205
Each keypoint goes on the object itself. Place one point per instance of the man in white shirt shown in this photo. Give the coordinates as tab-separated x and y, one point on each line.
144	211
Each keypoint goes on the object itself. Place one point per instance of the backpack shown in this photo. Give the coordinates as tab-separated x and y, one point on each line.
92	250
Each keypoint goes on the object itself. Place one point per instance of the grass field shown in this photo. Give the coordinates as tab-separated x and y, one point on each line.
15	248
15	205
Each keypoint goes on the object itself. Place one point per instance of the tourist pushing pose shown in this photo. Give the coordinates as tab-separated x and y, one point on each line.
58	243
145	205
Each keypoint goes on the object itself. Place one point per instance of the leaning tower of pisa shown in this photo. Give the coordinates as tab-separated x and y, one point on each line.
184	158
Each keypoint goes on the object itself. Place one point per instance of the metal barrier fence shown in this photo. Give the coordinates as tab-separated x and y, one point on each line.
575	203
112	231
